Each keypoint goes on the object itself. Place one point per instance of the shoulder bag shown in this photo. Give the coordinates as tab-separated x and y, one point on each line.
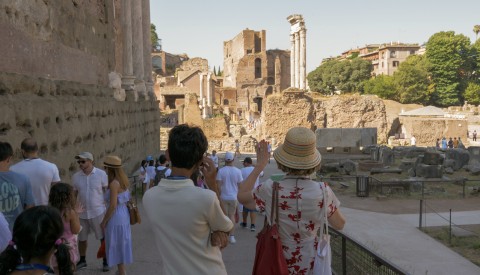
323	257
269	258
134	213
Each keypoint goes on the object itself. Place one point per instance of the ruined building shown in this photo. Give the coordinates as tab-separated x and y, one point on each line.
251	72
77	77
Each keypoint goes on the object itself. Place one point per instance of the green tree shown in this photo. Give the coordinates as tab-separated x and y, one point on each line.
472	93
447	55
345	76
382	86
154	37
476	30
411	81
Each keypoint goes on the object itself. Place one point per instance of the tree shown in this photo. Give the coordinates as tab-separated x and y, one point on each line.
335	75
472	93
154	38
476	30
382	86
412	82
214	71
447	55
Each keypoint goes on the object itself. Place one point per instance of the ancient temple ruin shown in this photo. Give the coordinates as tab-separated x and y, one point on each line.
298	53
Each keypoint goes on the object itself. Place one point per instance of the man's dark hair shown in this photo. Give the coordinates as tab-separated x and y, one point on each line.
162	159
29	145
6	150
186	145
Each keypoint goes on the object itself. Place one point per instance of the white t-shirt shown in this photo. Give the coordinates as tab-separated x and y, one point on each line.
230	177
90	192
150	173
214	159
413	141
41	174
246	171
182	216
167	173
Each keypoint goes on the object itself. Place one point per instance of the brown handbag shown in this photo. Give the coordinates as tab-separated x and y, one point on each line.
134	213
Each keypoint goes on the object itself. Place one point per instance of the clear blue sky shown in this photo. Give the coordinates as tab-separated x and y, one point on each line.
199	28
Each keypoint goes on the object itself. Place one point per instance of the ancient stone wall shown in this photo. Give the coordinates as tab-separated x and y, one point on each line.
427	130
67	118
295	108
55	61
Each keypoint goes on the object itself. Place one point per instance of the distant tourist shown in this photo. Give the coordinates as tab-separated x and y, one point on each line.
246	170
237	148
474	135
437	143
214	158
444	143
142	174
450	143
460	144
42	174
413	141
455	142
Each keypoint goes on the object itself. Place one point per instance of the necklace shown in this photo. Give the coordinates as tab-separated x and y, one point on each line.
22	267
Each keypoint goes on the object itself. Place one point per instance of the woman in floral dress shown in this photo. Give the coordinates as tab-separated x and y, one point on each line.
300	201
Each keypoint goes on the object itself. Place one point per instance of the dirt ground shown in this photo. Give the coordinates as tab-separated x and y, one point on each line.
407	206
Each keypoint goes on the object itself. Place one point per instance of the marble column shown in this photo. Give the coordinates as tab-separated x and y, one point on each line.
303	59
127	75
297	60
147	47
209	90
292	60
137	47
201	86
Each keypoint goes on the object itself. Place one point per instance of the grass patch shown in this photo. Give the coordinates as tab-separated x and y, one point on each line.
468	247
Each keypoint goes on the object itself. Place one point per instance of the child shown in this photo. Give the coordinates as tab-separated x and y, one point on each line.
36	237
62	198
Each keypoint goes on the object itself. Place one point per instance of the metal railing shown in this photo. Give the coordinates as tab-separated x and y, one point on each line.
351	257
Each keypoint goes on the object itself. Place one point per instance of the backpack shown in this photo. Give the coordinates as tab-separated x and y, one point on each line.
159	175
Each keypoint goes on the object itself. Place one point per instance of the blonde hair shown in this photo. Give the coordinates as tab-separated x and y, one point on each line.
118	174
297	172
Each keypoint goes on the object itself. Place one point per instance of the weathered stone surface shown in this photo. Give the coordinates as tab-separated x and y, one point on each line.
474	170
429	171
432	158
348	167
407	164
449	170
459	156
386	155
474	154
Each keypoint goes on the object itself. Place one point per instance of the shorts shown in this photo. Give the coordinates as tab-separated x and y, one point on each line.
92	224
246	210
230	207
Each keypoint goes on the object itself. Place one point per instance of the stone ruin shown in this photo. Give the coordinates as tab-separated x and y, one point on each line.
76	78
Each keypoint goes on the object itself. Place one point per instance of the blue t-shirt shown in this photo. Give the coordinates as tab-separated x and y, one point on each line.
15	193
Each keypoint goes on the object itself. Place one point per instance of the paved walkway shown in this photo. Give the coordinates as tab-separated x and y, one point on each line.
395	237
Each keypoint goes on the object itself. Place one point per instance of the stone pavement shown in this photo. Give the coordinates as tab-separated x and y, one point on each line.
395	237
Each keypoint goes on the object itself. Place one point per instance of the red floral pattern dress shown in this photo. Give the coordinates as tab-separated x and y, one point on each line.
300	215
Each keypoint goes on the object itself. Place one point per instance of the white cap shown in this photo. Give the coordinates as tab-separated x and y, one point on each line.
229	156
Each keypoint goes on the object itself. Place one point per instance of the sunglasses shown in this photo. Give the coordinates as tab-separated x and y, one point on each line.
81	161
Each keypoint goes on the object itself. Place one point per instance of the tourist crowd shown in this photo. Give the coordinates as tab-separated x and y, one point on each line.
191	204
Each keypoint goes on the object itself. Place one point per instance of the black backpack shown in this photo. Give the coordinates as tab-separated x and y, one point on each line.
159	175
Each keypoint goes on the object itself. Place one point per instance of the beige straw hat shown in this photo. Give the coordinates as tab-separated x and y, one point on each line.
299	150
112	161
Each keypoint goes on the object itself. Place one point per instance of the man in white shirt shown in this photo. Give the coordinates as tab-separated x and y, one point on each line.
413	140
90	184
183	216
246	170
42	174
214	158
228	179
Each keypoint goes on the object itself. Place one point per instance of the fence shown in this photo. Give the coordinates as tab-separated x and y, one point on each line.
351	257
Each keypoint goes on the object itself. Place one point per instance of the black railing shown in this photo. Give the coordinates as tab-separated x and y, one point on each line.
351	257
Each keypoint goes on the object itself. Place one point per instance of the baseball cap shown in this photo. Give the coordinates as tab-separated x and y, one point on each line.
85	155
229	156
248	160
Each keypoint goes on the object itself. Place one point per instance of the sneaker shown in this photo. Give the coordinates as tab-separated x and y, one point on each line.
105	267
243	225
252	228
81	265
232	239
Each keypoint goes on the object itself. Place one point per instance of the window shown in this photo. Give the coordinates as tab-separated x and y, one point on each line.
396	63
249	51
383	64
225	102
258	68
393	54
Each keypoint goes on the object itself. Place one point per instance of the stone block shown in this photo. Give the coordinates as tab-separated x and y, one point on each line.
348	167
460	157
429	171
474	154
432	158
407	164
386	155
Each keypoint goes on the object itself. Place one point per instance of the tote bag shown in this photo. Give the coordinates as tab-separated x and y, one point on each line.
269	258
323	257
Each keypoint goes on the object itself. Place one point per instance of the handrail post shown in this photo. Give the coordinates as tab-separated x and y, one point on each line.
420	216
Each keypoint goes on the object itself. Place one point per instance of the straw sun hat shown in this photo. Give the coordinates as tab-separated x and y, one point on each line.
112	161
298	151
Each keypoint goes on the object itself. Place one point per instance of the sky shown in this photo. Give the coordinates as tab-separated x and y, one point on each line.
199	28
